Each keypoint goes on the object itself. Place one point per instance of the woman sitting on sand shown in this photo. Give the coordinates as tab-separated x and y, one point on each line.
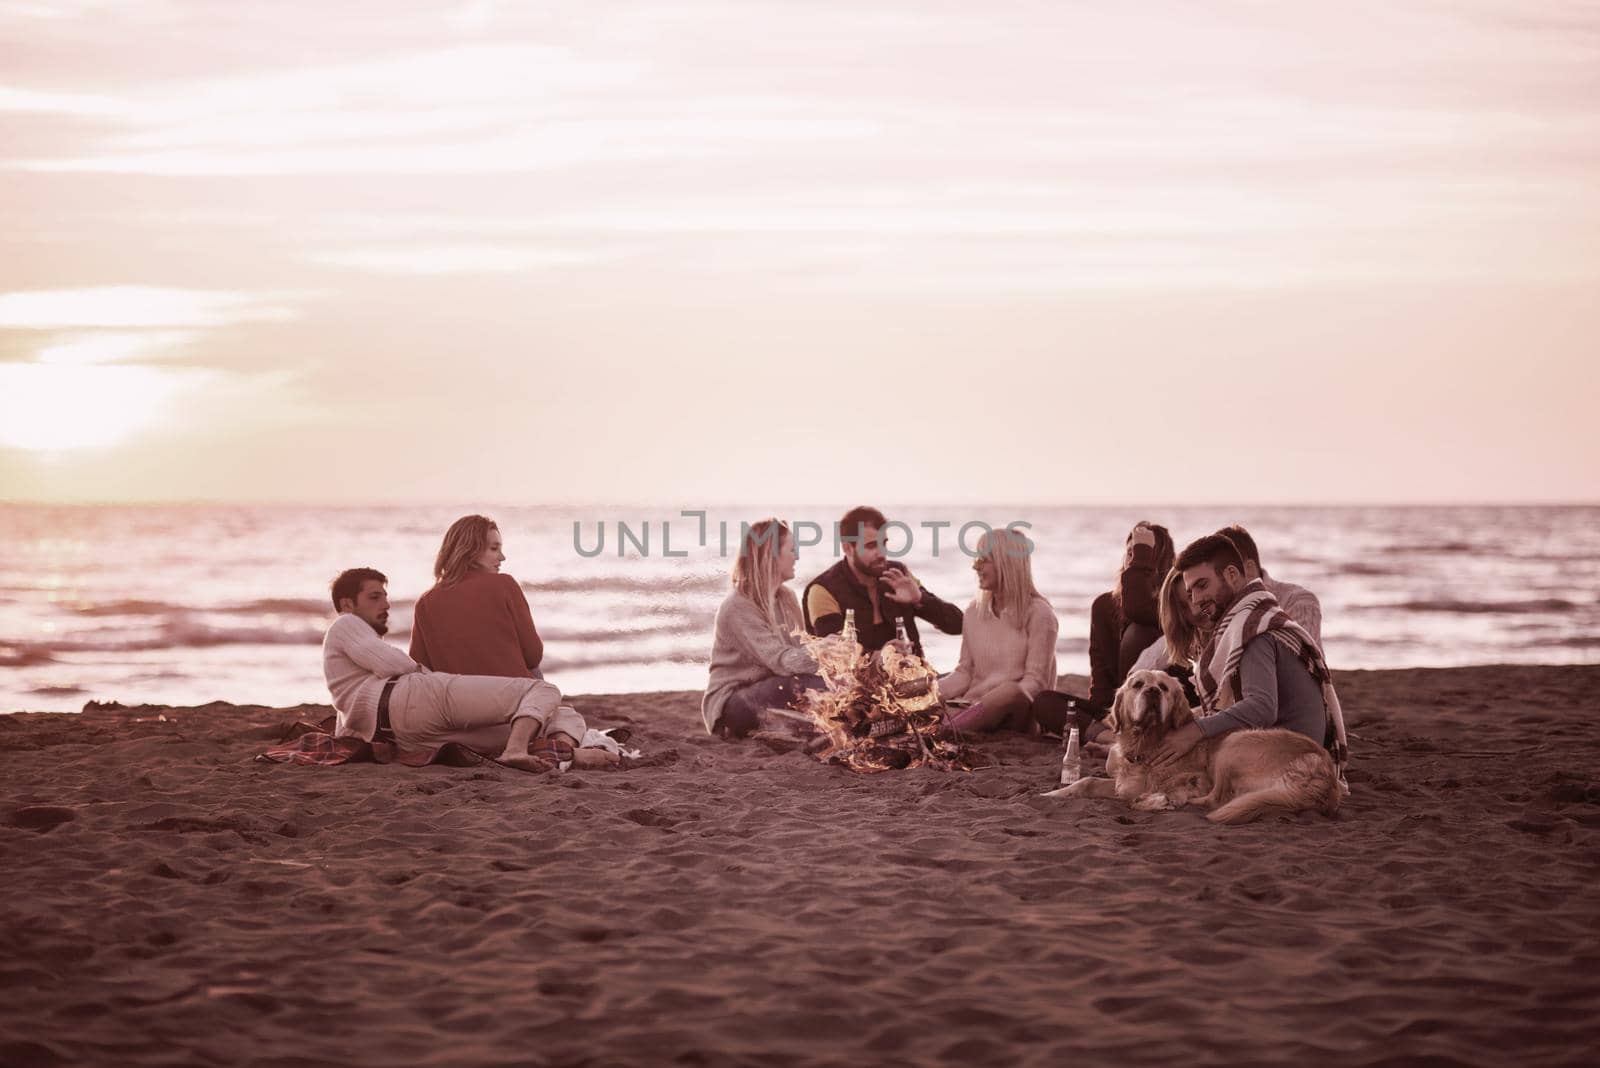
475	620
1182	637
1008	642
1182	634
757	662
1125	621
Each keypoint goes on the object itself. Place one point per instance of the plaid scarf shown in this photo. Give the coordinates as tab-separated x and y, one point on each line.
1253	614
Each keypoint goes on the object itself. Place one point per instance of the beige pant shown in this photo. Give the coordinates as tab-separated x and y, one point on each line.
430	709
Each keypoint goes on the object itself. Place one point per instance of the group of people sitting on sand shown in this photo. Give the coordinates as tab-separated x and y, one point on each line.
472	674
1196	614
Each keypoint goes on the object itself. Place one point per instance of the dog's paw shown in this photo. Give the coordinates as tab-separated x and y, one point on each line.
1154	803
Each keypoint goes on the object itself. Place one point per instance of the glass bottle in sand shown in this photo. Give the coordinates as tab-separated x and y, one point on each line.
1072	748
915	683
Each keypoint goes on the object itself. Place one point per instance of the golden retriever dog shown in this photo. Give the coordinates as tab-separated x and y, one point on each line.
1238	777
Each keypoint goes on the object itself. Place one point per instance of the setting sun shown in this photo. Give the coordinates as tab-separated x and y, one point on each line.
49	407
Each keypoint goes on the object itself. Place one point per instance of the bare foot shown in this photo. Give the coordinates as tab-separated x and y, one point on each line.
595	758
526	762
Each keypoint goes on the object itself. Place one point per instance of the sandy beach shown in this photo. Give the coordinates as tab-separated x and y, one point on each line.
167	899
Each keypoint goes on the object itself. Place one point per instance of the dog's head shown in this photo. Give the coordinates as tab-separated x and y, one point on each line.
1150	702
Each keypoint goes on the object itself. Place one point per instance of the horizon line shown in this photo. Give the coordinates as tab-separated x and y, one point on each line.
676	508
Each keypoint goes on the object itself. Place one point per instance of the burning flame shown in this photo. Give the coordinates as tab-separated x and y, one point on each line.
880	712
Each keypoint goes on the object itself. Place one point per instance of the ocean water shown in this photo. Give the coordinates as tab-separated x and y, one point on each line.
188	604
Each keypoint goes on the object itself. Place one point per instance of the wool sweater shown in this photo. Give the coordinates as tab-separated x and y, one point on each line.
747	649
1299	603
994	652
1140	588
356	662
479	626
1278	691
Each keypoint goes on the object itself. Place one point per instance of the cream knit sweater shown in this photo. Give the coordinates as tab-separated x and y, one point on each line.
356	661
994	652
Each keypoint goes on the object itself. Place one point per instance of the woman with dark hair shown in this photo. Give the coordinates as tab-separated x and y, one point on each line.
1123	622
475	620
1126	619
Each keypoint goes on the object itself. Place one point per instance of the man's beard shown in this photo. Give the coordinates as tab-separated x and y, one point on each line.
1219	608
379	625
870	570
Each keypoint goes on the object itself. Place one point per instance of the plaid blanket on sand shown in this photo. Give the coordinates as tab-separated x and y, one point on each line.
1255	613
314	744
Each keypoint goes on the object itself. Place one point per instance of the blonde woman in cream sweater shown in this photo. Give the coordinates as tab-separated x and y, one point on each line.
1008	642
757	661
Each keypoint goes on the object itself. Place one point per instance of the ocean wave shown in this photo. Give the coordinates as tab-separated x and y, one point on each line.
127	608
1441	548
168	636
619	584
621	634
317	606
1357	567
266	606
17	656
1539	606
57	691
554	665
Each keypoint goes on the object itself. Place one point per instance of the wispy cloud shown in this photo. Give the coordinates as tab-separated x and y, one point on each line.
81	348
458	259
475	109
136	306
548	146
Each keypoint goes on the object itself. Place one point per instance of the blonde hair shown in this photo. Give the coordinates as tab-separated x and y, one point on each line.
755	574
1185	636
1014	593
463	543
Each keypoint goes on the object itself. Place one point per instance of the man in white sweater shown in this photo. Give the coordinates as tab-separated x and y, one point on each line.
378	688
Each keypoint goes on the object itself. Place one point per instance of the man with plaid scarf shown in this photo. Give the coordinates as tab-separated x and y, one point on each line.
1259	668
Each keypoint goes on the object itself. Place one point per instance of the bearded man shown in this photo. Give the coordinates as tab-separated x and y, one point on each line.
1259	668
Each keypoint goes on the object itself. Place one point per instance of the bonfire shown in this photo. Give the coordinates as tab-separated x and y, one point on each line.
880	712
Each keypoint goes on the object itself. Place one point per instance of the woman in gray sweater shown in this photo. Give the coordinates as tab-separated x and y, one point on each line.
757	661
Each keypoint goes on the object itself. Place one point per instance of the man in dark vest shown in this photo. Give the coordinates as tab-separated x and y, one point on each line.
882	591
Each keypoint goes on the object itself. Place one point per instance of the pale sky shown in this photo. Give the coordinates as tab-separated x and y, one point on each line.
708	253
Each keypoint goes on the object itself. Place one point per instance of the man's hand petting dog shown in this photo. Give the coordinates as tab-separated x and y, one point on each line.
1176	746
1162	761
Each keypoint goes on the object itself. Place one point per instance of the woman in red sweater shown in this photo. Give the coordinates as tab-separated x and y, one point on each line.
475	620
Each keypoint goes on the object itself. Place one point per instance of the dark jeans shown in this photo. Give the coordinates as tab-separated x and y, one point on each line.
742	712
1136	638
1050	711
